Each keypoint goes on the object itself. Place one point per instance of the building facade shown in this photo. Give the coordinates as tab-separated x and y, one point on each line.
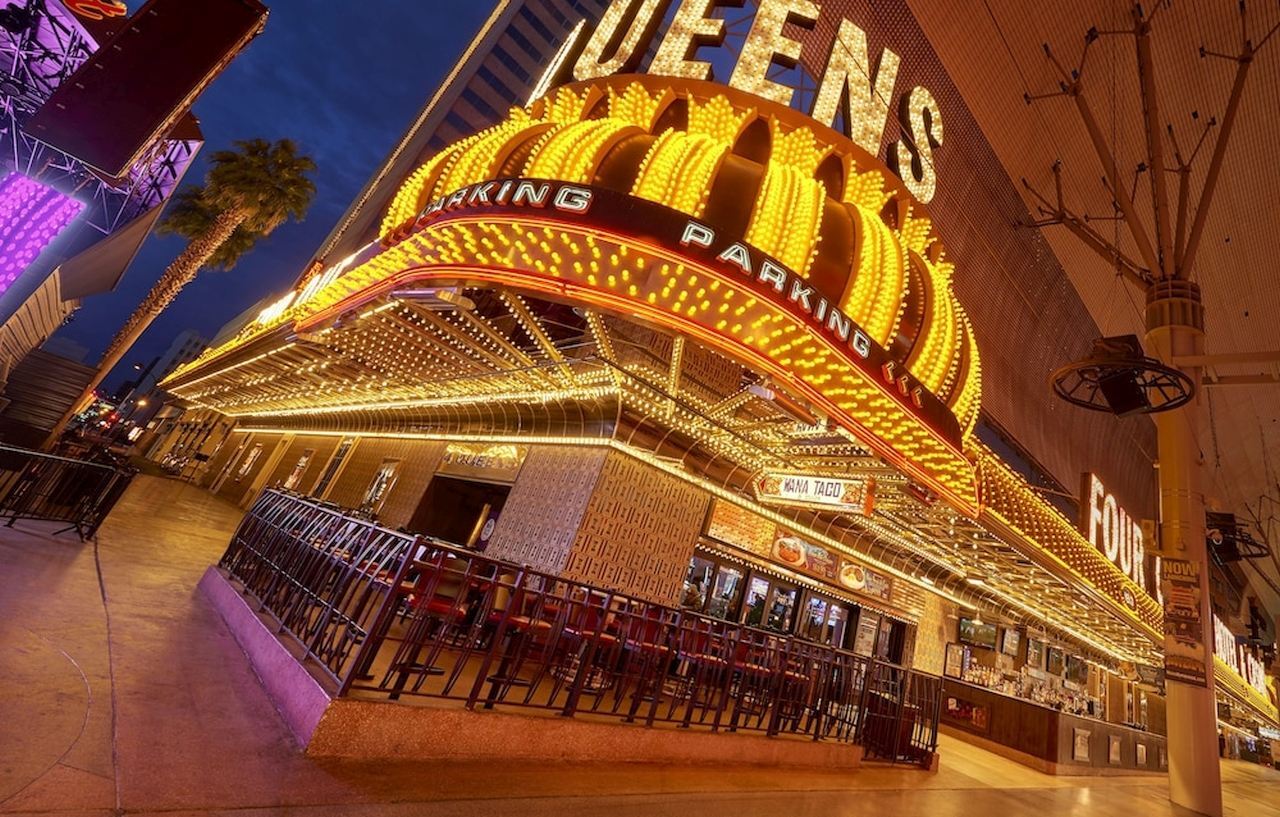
684	339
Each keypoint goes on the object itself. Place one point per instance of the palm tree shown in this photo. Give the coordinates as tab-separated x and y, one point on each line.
247	193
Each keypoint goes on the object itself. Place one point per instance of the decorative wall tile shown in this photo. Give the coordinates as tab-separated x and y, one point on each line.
541	516
931	634
638	532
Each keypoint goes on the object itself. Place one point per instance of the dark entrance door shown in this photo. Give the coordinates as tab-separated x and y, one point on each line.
456	510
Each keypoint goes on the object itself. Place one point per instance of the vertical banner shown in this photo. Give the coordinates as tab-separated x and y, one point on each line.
1185	653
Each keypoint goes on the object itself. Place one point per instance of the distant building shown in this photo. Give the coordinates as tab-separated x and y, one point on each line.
185	348
499	70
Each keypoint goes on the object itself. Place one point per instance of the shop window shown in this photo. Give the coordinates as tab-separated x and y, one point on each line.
383	481
824	621
250	459
813	621
726	593
331	470
299	468
770	605
699	577
712	587
890	641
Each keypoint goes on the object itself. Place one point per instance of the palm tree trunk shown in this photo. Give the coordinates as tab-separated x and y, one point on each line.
178	274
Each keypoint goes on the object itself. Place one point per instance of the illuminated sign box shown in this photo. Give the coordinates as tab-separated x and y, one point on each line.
852	495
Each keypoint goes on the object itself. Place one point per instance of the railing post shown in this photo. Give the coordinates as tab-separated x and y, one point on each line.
868	676
902	709
368	650
498	639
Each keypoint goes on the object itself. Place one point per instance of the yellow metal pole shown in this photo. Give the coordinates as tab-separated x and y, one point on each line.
1175	329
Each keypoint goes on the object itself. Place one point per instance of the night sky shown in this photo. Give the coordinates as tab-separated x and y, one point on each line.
344	80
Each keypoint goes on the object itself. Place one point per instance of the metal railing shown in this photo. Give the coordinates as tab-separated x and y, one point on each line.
34	485
391	615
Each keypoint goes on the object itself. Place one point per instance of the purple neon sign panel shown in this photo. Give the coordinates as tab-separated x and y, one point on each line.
31	216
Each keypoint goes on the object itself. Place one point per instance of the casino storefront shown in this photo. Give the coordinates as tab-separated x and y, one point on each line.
663	338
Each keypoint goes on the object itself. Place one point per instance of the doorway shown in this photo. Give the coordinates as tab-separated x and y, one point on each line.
460	511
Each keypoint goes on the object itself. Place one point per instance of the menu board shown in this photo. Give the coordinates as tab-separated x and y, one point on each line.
865	640
803	556
1012	639
741	528
865	580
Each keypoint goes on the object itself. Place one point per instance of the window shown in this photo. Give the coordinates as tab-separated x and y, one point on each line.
712	587
250	459
536	24
380	486
824	621
513	65
519	39
496	83
697	580
770	605
331	470
480	105
299	468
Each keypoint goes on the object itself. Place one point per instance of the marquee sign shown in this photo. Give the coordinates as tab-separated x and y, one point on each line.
97	9
763	276
855	90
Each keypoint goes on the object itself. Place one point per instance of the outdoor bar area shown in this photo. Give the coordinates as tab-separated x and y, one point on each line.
654	404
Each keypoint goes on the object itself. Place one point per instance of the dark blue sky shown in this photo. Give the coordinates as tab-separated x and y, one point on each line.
343	79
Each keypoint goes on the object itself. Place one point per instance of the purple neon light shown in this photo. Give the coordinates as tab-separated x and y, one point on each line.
31	216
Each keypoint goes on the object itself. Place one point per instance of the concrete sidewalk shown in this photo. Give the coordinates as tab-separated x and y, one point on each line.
136	700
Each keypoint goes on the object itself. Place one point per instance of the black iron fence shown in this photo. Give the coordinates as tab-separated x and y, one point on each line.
395	616
34	485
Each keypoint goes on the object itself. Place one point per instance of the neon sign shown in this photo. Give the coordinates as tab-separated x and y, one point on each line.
1240	660
854	92
97	9
1110	529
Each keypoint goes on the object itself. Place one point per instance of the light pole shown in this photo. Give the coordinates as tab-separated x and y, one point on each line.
1125	381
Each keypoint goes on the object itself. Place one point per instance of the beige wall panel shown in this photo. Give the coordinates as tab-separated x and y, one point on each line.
639	530
235	489
324	447
349	486
932	635
219	460
284	466
541	517
418	462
